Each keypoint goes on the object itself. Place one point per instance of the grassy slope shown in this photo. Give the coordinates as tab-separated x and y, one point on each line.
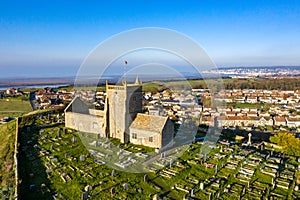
7	138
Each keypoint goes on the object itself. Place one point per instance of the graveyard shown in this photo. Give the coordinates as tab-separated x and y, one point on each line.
56	165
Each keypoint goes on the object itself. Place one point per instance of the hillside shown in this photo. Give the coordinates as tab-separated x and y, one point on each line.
7	138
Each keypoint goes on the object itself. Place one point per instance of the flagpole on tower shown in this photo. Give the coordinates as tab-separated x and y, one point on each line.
125	63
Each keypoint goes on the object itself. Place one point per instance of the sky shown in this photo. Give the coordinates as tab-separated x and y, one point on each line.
52	38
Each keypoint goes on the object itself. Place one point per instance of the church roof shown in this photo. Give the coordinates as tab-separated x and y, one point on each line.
149	123
77	106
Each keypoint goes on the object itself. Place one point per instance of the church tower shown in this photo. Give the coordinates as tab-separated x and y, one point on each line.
124	102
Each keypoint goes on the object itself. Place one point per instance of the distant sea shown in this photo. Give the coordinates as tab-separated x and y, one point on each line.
34	86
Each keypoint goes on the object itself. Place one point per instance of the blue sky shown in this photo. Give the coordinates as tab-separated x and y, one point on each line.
54	36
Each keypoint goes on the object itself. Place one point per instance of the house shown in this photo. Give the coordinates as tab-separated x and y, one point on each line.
252	114
251	100
45	101
292	122
265	121
11	91
237	121
230	113
209	121
151	131
264	114
156	110
279	121
240	100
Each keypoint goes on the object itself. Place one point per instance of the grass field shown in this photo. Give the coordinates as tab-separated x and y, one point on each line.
246	105
7	138
14	108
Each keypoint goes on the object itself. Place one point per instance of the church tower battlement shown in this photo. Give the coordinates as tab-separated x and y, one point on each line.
123	103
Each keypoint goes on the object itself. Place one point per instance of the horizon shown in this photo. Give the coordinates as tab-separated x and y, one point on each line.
55	39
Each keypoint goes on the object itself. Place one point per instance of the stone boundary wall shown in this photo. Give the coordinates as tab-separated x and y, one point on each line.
16	160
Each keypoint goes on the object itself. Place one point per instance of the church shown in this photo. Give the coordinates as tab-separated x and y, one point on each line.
122	118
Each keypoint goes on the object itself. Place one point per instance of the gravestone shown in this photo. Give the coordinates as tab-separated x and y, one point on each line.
125	186
201	186
249	139
52	147
59	133
74	139
146	178
185	197
113	173
156	197
216	171
171	162
112	191
82	158
32	188
210	196
88	188
192	193
262	147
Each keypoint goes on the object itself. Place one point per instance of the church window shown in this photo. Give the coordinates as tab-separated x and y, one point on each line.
134	136
151	139
95	125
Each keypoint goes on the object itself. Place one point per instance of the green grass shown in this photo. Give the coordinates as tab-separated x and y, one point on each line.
14	107
245	105
7	138
99	176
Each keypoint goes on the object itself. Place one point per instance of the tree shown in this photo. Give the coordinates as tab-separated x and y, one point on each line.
290	145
